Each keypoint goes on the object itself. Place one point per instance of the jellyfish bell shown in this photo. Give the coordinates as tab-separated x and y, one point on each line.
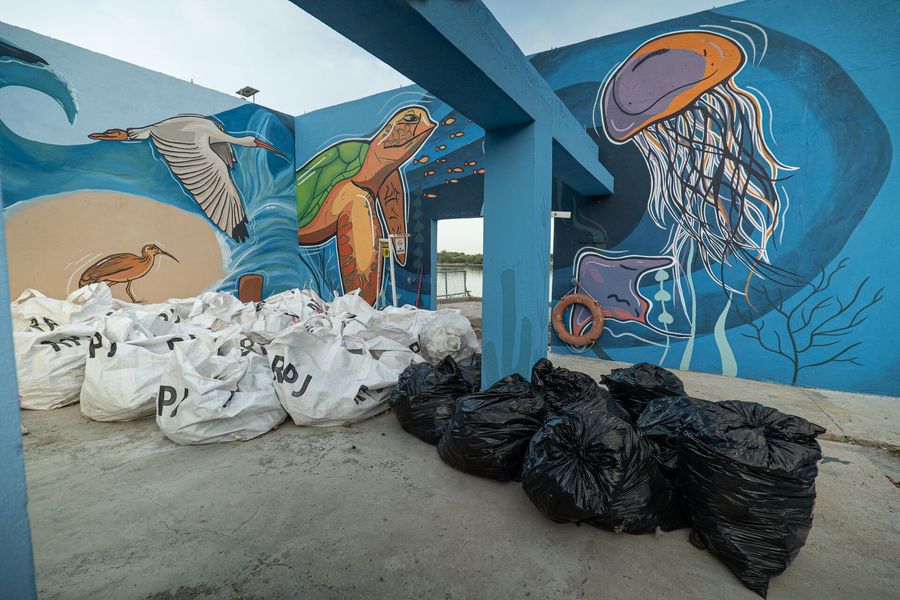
712	176
665	76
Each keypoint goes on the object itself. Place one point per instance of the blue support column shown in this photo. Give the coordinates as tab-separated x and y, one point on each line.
517	195
16	564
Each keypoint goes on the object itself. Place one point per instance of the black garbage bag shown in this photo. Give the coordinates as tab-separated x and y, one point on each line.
633	387
747	473
490	430
471	371
594	468
564	390
424	396
659	425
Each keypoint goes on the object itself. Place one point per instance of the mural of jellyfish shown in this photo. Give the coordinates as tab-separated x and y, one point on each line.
712	174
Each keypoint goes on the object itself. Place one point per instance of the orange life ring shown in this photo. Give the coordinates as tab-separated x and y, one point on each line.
560	328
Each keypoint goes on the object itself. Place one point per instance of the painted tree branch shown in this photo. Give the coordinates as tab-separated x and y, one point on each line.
818	319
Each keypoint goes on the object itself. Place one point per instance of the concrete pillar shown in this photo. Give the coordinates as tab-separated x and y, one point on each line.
517	196
16	565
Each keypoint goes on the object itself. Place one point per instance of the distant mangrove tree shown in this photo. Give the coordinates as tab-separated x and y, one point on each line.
446	257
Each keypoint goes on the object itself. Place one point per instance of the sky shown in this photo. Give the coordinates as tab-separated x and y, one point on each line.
296	62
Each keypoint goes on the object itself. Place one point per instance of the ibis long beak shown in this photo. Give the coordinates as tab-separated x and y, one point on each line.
119	135
169	255
262	144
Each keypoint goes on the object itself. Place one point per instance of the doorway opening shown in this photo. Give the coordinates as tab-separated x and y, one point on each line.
458	272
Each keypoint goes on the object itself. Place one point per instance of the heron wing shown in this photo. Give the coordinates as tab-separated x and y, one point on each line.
106	266
225	152
205	174
223	149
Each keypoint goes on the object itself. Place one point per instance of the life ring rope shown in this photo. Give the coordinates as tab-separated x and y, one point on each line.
559	325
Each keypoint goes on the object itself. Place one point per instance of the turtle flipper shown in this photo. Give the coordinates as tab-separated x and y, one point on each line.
320	174
358	235
392	200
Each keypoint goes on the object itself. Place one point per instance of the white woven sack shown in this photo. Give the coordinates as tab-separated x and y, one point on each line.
50	365
324	379
34	310
205	398
122	379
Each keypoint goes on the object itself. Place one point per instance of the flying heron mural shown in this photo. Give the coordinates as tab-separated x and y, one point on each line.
198	152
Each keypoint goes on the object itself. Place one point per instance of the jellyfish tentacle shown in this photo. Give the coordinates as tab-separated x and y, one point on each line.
714	177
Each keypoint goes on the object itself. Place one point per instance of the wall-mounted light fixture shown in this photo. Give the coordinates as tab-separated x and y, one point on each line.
248	92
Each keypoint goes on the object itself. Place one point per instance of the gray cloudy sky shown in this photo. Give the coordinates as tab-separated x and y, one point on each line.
298	63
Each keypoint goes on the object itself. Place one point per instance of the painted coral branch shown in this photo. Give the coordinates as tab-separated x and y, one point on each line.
818	319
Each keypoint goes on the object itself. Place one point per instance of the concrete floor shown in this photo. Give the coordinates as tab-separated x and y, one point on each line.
370	512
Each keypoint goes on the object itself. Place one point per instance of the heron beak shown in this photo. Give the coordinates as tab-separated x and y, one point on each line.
262	144
118	135
169	255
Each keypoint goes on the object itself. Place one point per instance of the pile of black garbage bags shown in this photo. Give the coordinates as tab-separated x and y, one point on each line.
635	456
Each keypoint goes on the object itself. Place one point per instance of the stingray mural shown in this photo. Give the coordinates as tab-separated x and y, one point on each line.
216	191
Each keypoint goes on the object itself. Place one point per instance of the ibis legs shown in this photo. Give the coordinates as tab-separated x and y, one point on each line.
128	291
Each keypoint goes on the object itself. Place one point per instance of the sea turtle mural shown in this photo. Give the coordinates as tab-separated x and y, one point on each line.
349	189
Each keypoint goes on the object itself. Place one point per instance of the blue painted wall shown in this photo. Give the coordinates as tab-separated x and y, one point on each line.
824	95
825	90
127	191
516	267
63	192
16	564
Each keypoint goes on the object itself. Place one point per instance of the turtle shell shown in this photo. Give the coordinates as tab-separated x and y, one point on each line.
320	174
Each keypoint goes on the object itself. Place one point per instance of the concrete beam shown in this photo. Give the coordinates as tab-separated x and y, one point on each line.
459	52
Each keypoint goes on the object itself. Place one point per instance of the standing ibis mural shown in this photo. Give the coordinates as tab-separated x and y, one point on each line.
123	267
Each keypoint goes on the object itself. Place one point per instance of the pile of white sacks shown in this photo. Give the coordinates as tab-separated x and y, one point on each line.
214	369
